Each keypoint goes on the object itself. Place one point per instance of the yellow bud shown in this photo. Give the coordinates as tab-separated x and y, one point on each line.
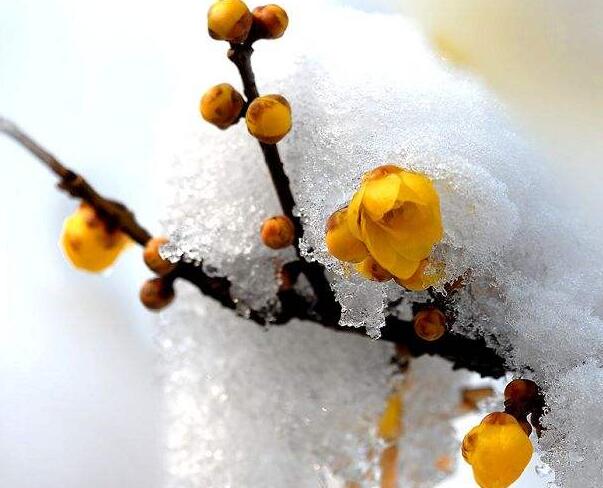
152	258
341	243
278	232
87	241
371	269
498	450
429	324
229	20
270	21
221	105
269	118
156	294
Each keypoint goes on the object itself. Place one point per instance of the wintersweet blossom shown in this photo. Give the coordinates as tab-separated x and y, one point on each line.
394	218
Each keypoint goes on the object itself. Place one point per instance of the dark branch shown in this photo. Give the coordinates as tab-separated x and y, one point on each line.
463	352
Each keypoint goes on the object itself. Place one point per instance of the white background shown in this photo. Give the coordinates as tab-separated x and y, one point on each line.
80	400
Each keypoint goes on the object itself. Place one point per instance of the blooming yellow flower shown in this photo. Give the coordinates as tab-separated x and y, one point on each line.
87	242
498	450
396	215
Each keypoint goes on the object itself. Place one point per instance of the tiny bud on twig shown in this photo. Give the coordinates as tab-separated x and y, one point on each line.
278	232
229	20
156	293
269	118
430	324
152	258
269	22
221	105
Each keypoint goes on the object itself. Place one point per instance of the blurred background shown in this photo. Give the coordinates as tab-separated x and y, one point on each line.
80	396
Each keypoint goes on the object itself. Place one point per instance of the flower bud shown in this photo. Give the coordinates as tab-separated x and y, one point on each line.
372	270
221	105
430	324
229	20
269	118
340	241
87	241
156	294
269	22
498	450
152	258
278	232
521	394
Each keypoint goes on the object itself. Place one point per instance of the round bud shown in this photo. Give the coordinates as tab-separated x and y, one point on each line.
340	241
520	395
277	232
269	118
229	20
498	450
156	294
371	269
89	243
429	324
152	258
269	21
221	105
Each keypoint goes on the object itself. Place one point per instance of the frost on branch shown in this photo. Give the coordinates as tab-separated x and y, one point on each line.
534	271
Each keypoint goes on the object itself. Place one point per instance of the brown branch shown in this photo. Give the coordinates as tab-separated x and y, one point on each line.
114	213
463	352
325	303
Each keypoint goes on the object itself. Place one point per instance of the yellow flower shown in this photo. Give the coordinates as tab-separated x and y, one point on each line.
498	450
396	215
87	242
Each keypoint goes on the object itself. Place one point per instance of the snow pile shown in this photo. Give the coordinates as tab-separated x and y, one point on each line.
360	101
254	408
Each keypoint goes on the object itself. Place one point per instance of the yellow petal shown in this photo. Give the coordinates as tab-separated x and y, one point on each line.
354	213
381	195
421	186
341	243
413	229
379	244
372	270
426	275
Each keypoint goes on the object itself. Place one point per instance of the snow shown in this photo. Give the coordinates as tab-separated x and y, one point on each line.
360	101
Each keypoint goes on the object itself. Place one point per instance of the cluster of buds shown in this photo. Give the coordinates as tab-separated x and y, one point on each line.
231	20
499	448
157	293
268	117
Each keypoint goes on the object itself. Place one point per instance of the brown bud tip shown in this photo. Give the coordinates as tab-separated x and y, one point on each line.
430	324
229	20
152	258
221	105
269	22
521	395
155	294
278	232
